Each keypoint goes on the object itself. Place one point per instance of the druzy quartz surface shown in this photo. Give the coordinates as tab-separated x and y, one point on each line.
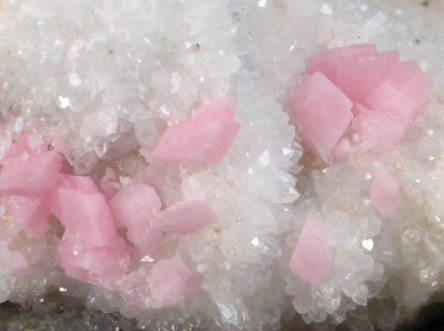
223	165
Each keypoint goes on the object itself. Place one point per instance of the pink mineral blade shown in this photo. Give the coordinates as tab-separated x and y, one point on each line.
384	192
312	259
204	139
186	217
134	207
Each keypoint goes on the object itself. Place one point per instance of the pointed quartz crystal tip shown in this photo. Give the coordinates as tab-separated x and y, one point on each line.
204	139
384	192
312	259
323	112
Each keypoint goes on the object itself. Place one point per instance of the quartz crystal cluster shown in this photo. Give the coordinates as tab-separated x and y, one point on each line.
223	165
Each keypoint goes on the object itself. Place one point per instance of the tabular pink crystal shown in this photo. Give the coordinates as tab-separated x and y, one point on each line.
380	130
323	112
384	192
171	282
358	76
134	207
83	210
26	171
356	69
186	217
204	139
29	213
403	95
327	62
311	259
102	266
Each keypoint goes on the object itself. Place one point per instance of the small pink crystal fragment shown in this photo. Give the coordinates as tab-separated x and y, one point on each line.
29	213
134	207
384	192
311	259
381	131
323	112
29	172
186	217
171	282
83	210
342	149
204	139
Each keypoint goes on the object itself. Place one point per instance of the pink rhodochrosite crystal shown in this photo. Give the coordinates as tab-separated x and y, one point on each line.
167	283
29	171
382	132
91	250
171	282
384	192
29	213
403	95
134	207
204	139
97	265
323	112
186	217
312	259
83	210
327	62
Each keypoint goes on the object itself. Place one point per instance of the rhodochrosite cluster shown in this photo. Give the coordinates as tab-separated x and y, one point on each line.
354	104
357	99
92	250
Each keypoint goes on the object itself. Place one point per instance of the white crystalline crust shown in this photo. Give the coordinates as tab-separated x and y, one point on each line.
109	76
